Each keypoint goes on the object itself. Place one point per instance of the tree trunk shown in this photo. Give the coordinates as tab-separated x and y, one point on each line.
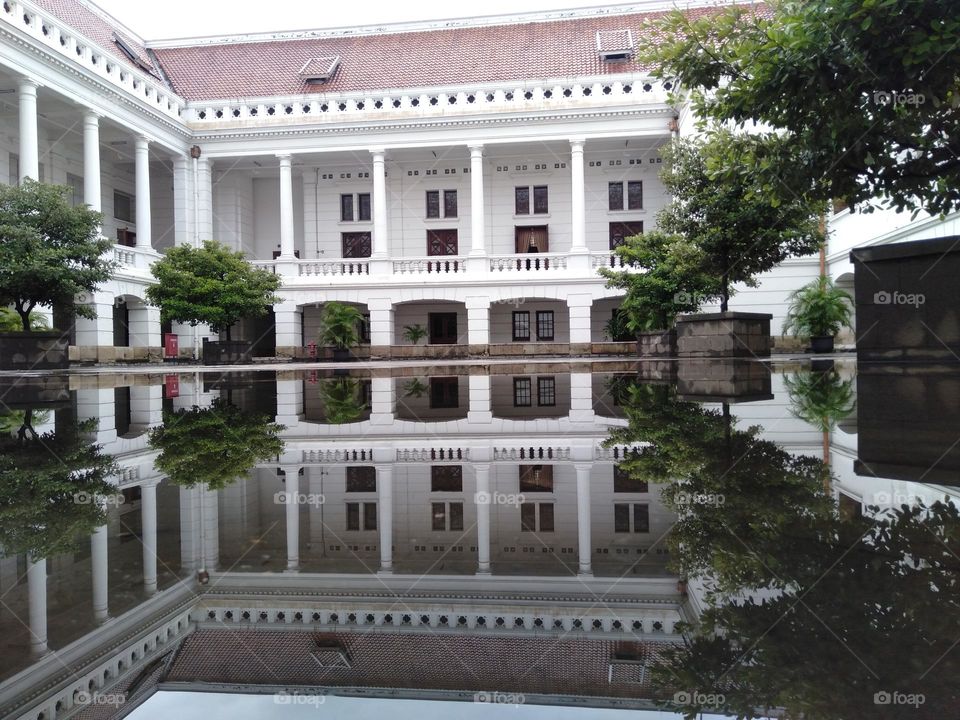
24	319
228	333
725	294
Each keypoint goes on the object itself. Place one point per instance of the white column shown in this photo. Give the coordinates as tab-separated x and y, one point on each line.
100	572
292	493
289	401
37	593
148	514
583	518
288	323
385	510
210	532
204	201
580	307
142	154
381	324
478	321
380	224
191	550
183	214
29	147
578	216
483	501
383	398
581	397
478	239
91	161
98	331
286	208
480	411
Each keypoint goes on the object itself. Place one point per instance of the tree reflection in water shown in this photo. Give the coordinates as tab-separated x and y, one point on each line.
815	613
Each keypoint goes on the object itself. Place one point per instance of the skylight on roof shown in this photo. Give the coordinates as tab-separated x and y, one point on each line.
615	44
134	57
319	70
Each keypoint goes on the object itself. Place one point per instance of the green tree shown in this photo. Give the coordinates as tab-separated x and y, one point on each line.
342	401
858	98
49	483
728	219
214	446
10	321
213	285
667	276
50	251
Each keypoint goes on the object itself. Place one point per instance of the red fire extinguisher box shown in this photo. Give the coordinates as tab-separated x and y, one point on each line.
171	346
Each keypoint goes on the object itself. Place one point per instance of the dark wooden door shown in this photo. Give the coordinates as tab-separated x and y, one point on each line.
355	244
442	242
443	328
532	239
621	230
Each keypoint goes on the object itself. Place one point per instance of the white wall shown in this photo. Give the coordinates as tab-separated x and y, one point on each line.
501	319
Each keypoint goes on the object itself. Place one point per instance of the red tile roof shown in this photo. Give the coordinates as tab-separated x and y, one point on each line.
426	58
97	28
425	661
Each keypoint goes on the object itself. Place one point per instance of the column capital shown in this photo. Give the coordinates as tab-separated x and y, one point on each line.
583	467
142	142
576	144
476	149
286	159
26	84
378	152
481	467
91	116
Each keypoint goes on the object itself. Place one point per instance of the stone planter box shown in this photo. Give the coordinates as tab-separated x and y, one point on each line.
34	351
657	343
729	381
724	335
44	391
405	352
612	348
523	349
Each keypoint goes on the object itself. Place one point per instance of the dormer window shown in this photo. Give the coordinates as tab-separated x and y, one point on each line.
614	45
318	70
132	55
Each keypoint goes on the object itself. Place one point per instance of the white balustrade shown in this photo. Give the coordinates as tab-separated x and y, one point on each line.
419	455
536	452
430	266
329	268
607	260
528	262
337	456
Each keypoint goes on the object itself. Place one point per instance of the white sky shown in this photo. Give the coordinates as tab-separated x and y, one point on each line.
193	18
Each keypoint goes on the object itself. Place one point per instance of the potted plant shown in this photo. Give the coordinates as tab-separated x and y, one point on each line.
415	388
339	329
341	401
414	333
818	310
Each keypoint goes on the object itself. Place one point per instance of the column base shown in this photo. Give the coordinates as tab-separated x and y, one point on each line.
585	574
385	571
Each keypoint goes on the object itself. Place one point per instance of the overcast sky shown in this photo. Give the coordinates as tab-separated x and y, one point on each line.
192	18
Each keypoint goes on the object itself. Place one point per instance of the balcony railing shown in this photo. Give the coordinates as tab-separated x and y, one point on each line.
430	266
133	258
607	260
335	267
536	262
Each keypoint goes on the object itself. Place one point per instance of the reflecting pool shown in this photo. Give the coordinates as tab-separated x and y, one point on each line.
538	539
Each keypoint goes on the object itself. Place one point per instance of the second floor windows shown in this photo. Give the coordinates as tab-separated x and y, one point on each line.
630	191
123	206
447	515
629	517
355	207
522	197
523	392
361	515
536	517
441	204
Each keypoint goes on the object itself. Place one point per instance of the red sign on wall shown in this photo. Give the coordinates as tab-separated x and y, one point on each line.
171	386
171	345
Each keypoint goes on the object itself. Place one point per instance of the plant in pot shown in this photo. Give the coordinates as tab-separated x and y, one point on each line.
819	310
341	401
414	333
339	329
415	388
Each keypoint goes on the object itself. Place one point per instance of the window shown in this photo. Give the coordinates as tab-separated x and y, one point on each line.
619	231
624	512
433	203
615	196
442	242
522	392
369	515
623	482
546	391
75	184
522	197
544	324
443	328
362	205
356	244
634	195
521	325
540	200
444	392
536	517
123	205
536	478
450	203
447	516
361	479
446	478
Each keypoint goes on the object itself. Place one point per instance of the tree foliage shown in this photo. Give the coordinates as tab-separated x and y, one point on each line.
857	98
48	486
213	285
215	445
50	251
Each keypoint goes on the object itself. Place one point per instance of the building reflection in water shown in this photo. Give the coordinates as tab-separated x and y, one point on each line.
516	514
